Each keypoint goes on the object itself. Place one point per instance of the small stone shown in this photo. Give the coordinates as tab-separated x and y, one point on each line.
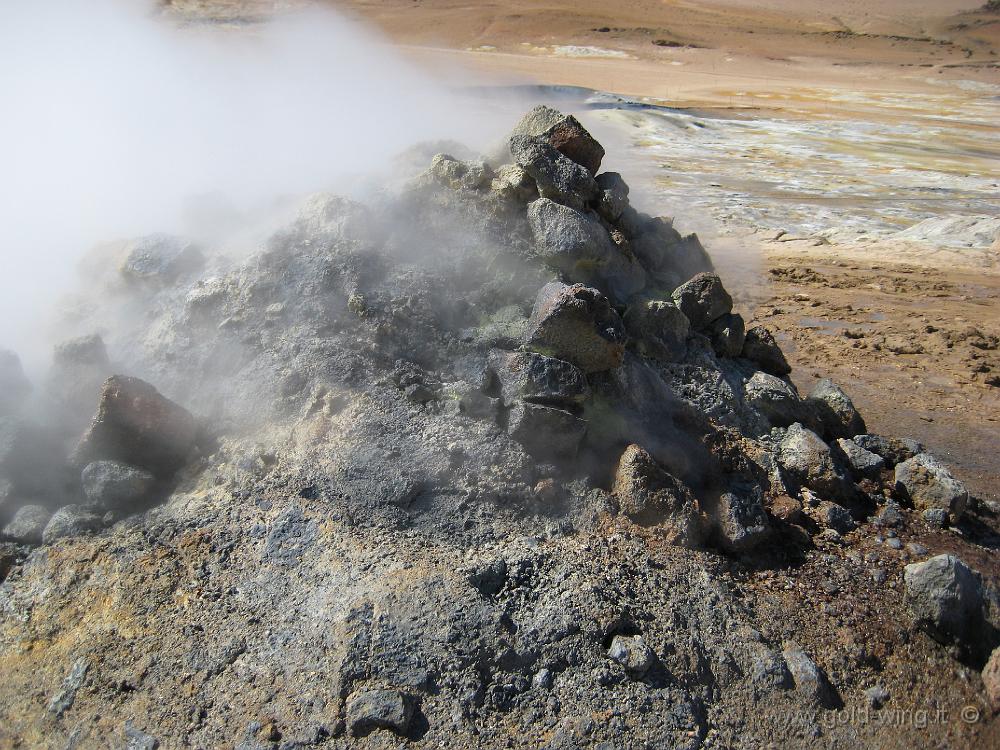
835	516
728	334
658	329
648	495
741	520
928	484
776	399
835	410
136	739
936	517
786	509
28	524
577	324
760	347
770	673
894	543
542	679
945	598
64	699
809	679
862	463
633	654
877	696
807	460
703	300
116	486
71	520
489	577
892	450
379	709
546	431
528	376
890	516
916	549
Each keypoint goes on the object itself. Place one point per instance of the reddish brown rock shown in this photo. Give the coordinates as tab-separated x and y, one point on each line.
991	680
577	324
137	425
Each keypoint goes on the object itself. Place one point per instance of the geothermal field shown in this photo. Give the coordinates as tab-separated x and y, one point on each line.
522	375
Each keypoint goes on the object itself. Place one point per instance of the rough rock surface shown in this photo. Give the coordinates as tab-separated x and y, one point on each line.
115	486
835	410
946	599
929	485
413	509
703	300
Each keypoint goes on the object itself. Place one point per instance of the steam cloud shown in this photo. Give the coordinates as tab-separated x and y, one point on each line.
118	124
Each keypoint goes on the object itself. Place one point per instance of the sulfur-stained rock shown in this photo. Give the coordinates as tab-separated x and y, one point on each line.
576	323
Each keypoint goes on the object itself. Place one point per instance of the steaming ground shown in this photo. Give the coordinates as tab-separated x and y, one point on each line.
429	494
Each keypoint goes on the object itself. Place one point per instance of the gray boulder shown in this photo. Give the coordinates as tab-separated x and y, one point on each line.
136	425
810	682
728	335
892	450
835	410
808	462
929	485
741	521
160	259
862	463
116	486
632	653
14	386
71	520
648	495
562	132
614	196
369	710
760	347
460	175
658	329
557	177
546	431
834	516
581	248
776	399
577	324
945	598
512	183
28	524
703	300
528	376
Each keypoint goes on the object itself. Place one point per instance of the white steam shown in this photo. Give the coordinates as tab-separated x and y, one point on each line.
115	123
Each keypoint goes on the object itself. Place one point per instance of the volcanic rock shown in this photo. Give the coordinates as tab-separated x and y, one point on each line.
929	485
136	425
562	132
808	462
527	376
649	495
379	709
581	248
835	410
614	196
760	347
862	463
557	177
28	524
632	653
728	335
658	329
835	517
892	450
116	486
991	680
577	324
703	300
546	431
70	520
810	682
945	598
741	519
775	398
160	259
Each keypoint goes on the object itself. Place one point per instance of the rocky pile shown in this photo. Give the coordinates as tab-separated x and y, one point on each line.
463	465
